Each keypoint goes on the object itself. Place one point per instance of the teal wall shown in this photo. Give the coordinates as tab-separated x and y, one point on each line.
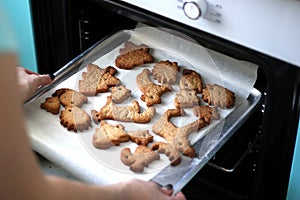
16	13
294	186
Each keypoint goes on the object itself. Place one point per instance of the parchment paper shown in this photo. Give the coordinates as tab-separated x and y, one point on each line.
75	152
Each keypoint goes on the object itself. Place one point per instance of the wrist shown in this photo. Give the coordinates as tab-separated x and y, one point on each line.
122	190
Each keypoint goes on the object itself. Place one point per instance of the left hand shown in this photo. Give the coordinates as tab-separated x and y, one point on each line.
30	81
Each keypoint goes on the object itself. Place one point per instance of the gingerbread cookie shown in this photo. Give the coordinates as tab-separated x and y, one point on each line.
206	113
130	113
186	99
191	80
75	118
170	150
177	136
217	95
97	80
108	135
120	93
151	91
133	55
166	72
69	97
51	104
130	46
141	137
141	158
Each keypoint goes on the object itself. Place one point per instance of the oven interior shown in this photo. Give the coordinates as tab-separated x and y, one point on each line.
232	173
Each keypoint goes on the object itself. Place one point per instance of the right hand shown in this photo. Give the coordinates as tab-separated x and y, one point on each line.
148	190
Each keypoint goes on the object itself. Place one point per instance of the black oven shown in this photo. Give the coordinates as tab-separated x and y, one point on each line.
255	162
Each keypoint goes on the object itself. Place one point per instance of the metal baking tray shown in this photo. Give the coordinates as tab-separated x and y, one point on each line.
74	151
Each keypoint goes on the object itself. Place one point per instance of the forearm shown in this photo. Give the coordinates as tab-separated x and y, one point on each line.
21	176
69	189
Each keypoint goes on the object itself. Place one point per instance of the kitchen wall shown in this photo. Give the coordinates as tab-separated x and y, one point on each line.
16	14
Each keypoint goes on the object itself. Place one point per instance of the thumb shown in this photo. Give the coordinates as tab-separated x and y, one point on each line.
44	80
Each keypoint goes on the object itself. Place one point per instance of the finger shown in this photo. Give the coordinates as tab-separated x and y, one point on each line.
38	81
179	196
29	71
45	79
24	70
157	185
167	189
41	79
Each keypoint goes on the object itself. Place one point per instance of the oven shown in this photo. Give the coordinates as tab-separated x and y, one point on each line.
255	161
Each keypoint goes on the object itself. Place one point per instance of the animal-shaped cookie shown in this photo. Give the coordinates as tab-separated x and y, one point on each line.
140	159
217	95
141	137
70	97
108	135
166	72
129	113
51	104
206	113
177	136
120	93
75	118
186	99
97	80
170	150
191	80
133	55
151	91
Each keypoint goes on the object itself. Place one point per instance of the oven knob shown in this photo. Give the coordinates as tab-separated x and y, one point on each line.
195	9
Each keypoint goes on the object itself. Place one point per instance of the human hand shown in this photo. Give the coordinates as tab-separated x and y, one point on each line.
148	190
30	81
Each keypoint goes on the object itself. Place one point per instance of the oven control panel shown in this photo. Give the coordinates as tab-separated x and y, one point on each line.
270	27
200	8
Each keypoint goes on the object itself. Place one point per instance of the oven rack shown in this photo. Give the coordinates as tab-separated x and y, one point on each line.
224	164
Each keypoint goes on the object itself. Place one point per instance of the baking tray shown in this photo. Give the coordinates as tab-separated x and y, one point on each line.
75	153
